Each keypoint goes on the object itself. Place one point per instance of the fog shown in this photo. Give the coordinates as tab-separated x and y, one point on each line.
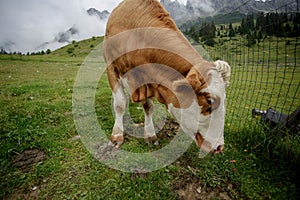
34	25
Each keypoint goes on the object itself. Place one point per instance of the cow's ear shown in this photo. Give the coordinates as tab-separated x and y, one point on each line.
182	87
196	81
184	93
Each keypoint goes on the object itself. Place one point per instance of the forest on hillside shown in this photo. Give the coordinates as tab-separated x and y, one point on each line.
254	27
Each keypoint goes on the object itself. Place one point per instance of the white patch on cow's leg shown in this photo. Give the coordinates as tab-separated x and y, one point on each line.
119	104
149	131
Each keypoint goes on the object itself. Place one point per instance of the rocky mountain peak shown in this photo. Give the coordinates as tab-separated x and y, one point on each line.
101	14
203	8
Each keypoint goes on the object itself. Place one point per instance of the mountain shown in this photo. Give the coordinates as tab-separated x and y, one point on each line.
177	10
203	8
68	35
87	23
102	15
254	6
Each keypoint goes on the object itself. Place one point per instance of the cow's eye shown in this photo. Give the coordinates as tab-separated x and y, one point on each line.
210	101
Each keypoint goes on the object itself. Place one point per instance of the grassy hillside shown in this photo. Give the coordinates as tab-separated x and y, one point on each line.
78	49
74	52
36	115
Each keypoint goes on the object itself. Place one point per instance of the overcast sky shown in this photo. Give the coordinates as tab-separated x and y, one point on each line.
27	24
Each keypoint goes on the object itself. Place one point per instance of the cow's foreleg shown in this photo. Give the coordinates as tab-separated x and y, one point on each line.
149	132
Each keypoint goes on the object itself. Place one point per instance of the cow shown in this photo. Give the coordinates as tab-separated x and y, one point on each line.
148	55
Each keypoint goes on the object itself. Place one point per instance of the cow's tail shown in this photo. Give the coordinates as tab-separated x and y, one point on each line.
224	69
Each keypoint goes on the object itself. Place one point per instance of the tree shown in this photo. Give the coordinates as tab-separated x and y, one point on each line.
259	36
250	22
210	42
208	33
2	51
296	30
288	30
193	33
250	40
70	50
231	31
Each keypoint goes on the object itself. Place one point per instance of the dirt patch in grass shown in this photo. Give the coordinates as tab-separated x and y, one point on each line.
27	160
189	187
169	130
21	195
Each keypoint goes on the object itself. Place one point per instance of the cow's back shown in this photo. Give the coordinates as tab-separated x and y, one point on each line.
132	14
146	22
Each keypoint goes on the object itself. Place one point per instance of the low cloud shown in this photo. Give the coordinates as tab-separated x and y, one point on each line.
34	25
203	5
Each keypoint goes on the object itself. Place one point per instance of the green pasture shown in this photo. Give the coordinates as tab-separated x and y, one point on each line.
36	113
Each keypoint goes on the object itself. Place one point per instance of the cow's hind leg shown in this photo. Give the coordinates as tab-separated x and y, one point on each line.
149	132
119	105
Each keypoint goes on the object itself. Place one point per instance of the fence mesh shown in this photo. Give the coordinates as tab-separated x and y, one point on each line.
264	76
264	58
263	98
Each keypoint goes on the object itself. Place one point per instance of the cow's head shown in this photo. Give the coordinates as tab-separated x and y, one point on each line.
201	111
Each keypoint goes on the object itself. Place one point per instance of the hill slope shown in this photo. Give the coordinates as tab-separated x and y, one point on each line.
78	49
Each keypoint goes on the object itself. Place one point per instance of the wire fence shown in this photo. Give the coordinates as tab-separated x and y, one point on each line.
264	93
264	76
263	99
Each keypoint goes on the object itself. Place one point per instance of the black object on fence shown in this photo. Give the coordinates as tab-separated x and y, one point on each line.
279	121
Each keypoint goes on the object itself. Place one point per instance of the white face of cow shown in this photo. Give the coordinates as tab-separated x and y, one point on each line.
202	110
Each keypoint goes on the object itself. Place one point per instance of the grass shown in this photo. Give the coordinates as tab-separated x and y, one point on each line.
36	113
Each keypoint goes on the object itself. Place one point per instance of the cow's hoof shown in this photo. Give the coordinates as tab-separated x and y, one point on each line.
152	140
116	140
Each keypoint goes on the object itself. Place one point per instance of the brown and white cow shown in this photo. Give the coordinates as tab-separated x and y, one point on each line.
147	54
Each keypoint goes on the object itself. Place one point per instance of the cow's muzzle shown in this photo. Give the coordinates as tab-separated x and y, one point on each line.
206	146
220	149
